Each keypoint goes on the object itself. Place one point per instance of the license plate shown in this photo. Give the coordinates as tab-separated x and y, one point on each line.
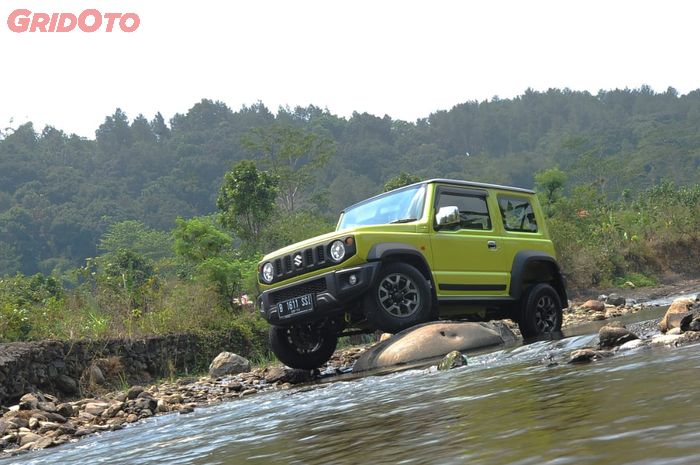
295	306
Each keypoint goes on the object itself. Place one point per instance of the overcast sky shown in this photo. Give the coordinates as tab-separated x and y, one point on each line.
401	58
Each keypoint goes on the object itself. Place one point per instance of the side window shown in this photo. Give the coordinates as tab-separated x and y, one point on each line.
473	212
517	214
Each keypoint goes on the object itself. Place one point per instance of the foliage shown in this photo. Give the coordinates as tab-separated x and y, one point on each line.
136	236
199	239
550	184
400	180
247	200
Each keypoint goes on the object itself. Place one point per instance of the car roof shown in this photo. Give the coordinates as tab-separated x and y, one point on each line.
454	182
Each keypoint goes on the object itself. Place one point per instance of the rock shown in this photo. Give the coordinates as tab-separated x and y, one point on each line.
227	363
274	374
429	341
67	384
43	443
134	392
29	438
47	407
65	410
94	375
384	337
452	360
616	300
674	331
675	313
84	431
629	284
687	320
131	418
598	316
28	402
96	408
145	395
593	305
665	339
612	335
631	345
588	355
248	392
694	325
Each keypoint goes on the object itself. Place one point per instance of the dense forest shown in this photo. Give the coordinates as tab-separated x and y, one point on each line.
60	193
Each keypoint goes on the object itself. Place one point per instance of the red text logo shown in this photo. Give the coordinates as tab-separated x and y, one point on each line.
91	20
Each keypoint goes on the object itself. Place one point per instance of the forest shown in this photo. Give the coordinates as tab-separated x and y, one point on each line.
149	215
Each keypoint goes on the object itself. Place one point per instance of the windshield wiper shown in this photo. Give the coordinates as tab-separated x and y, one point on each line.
404	220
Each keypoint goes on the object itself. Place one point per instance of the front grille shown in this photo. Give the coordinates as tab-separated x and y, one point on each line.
305	261
311	287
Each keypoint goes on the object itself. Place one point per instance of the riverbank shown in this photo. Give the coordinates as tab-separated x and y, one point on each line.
40	420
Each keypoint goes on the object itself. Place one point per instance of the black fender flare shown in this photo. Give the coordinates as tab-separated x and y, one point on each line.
385	250
520	263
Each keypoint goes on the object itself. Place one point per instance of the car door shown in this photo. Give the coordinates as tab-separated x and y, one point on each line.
467	257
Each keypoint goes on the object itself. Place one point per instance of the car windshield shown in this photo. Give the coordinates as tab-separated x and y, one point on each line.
402	206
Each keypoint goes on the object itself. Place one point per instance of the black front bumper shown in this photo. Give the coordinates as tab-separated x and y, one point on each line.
332	292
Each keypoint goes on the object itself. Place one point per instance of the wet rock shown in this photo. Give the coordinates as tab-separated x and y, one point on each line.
67	384
588	355
452	360
614	334
616	300
132	418
688	319
275	374
694	325
84	431
248	392
228	363
43	443
665	339
631	345
430	340
675	313
674	331
134	392
593	305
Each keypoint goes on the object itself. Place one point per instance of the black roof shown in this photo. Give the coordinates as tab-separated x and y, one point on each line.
454	182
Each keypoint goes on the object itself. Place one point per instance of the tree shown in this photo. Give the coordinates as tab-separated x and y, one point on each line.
247	200
198	239
136	236
400	180
550	183
293	154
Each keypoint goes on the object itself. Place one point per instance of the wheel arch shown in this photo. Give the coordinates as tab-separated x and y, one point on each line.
386	252
529	267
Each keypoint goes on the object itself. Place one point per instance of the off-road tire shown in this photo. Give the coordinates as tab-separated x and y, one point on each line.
541	312
399	298
304	347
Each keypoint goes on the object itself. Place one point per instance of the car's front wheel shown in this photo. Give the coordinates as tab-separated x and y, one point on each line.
541	312
400	298
306	346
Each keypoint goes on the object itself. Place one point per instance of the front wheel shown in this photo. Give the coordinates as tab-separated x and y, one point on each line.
541	312
399	299
305	346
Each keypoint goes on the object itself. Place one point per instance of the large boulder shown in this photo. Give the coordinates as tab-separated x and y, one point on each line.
594	305
432	340
614	334
616	300
228	363
679	309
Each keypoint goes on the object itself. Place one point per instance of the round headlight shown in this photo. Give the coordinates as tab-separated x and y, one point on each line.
337	251
268	272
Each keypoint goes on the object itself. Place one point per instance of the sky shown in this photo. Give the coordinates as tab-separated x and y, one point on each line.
403	58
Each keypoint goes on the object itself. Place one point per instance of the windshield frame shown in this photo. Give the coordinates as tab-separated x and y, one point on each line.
416	186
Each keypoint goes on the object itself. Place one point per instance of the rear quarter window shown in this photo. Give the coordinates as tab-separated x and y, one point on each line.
517	214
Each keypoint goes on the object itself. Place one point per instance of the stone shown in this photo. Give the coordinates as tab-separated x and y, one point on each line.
694	325
28	402
47	407
33	423
248	392
134	392
43	443
228	363
665	339
94	375
452	360
29	438
616	300
384	337
67	384
96	408
587	355
84	431
430	341
674	331
675	313
594	305
631	345
275	374
131	418
612	335
687	320
65	410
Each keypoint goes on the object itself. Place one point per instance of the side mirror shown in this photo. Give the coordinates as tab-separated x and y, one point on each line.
447	216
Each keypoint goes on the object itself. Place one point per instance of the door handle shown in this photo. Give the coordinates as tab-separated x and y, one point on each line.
491	245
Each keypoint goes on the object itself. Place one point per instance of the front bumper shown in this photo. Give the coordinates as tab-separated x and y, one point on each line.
332	292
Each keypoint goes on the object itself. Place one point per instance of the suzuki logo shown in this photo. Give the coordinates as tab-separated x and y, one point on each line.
298	260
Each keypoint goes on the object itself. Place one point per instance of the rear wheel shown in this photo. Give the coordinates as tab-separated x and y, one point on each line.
305	346
399	299
541	312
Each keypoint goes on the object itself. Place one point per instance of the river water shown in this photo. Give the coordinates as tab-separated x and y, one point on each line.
509	406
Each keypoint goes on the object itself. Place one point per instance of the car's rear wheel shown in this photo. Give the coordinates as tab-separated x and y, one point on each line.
306	346
400	298
541	312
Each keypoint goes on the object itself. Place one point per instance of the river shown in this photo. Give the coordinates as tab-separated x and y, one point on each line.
509	406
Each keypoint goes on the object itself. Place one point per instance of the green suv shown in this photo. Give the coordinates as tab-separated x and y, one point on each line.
436	249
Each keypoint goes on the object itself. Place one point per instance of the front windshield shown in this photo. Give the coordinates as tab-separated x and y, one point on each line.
402	206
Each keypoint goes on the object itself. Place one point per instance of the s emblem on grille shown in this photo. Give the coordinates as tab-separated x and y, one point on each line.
298	260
